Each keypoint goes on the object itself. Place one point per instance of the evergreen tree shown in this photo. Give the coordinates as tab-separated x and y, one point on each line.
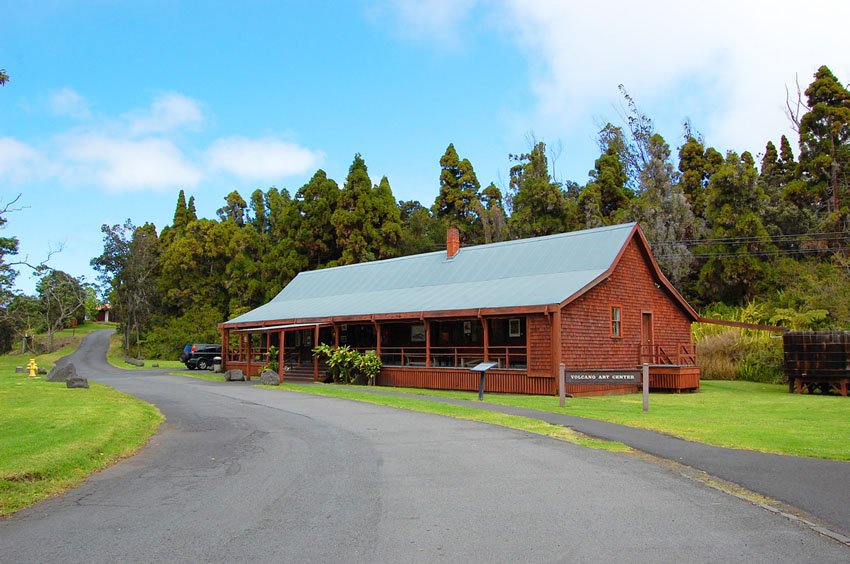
421	231
733	272
366	219
387	220
233	209
787	164
825	145
259	214
606	197
191	213
181	214
694	169
491	212
457	202
313	229
283	260
194	266
538	205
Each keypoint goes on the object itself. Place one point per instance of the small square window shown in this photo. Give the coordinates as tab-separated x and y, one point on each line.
514	328
616	322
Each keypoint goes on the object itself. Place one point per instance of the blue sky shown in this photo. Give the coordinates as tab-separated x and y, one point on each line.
113	106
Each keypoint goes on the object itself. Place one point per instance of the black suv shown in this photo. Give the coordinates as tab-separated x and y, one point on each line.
199	355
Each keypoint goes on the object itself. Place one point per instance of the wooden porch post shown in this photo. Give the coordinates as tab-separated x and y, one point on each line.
225	334
336	335
427	344
484	324
248	349
556	342
280	367
377	338
315	358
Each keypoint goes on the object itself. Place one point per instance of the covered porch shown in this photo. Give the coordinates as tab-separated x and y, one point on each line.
451	344
248	349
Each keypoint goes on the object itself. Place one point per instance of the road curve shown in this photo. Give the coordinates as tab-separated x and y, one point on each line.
243	474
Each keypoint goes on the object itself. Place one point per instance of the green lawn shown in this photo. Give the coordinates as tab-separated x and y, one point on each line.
52	437
746	415
115	357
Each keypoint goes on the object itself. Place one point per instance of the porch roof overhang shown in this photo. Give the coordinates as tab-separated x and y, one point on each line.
263	329
410	316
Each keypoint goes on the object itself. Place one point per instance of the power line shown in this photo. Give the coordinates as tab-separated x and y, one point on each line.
827	236
776	252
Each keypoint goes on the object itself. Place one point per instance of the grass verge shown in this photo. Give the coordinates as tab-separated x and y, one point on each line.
459	412
115	357
52	437
732	414
200	375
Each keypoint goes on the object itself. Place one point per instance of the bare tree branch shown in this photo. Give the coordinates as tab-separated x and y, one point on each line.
795	108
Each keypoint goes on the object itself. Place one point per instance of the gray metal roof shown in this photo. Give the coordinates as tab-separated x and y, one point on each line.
525	272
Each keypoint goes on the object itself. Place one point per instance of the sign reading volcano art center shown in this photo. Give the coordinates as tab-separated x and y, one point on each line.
602	376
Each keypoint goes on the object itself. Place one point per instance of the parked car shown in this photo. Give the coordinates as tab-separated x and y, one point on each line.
199	355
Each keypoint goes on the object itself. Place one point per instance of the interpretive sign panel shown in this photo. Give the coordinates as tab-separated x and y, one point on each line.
602	376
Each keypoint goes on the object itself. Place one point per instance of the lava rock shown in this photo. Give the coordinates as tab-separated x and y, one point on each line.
235	374
42	371
269	378
76	381
134	361
62	373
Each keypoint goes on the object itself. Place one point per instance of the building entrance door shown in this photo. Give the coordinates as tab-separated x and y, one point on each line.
647	349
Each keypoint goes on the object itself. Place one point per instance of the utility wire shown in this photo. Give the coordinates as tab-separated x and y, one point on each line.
776	252
827	236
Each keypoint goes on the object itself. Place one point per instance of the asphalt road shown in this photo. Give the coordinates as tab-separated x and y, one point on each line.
242	474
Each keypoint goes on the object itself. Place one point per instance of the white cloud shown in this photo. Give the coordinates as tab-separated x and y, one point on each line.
67	102
168	112
262	158
143	150
126	164
435	20
739	55
723	63
19	161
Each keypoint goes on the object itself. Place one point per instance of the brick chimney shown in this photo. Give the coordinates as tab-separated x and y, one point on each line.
452	242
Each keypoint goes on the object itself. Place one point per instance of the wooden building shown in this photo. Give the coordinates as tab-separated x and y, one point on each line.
592	299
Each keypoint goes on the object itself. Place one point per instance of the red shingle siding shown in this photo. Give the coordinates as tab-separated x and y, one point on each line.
539	345
586	322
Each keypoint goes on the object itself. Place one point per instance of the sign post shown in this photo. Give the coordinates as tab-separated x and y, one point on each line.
562	391
482	368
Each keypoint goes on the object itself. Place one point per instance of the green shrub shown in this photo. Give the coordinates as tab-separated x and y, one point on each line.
170	334
272	361
347	366
369	365
762	362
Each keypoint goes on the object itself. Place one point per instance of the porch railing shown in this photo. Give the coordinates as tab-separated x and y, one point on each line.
681	354
515	357
257	355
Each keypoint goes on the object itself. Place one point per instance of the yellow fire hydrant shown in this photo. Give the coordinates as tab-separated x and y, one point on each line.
33	368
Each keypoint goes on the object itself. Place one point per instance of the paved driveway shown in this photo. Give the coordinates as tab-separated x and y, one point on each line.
242	474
